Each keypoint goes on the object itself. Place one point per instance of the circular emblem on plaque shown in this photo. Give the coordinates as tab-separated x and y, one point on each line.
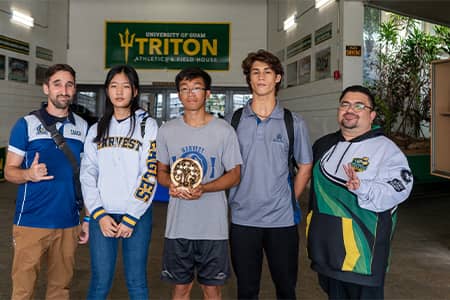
186	172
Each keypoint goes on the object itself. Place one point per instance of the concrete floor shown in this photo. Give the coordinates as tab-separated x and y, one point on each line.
420	263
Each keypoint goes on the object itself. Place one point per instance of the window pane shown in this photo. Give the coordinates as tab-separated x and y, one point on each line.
175	107
159	105
152	102
145	102
292	74
216	105
86	106
240	100
87	100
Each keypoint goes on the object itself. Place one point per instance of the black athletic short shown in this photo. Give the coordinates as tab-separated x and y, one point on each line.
183	258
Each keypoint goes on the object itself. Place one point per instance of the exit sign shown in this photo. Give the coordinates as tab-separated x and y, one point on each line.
353	50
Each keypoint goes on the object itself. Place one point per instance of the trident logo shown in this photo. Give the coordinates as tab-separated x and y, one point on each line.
126	43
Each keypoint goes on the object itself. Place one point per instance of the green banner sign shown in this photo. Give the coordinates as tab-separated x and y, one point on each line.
14	45
324	33
44	53
168	45
299	46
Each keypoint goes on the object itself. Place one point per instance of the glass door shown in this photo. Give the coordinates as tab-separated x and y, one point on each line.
153	102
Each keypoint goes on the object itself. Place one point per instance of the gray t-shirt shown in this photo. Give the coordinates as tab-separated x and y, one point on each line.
216	147
263	197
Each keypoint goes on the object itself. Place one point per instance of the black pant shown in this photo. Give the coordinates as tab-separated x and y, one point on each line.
337	289
281	248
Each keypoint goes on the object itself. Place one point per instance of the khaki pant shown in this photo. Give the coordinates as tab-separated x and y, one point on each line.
30	246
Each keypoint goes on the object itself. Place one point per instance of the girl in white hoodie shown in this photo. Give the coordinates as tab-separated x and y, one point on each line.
118	177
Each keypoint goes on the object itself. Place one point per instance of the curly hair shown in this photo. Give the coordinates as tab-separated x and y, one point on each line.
266	57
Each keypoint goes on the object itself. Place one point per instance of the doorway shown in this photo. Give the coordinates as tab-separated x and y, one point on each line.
163	103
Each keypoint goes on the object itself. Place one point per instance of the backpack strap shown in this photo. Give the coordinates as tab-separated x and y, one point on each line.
59	140
236	118
289	123
292	163
143	123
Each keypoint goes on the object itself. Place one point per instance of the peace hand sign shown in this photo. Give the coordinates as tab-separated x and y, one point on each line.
353	182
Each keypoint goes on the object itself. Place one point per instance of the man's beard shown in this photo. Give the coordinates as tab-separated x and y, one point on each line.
61	104
354	122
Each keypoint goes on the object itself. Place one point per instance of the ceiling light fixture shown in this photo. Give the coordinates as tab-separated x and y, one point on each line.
22	19
323	3
289	23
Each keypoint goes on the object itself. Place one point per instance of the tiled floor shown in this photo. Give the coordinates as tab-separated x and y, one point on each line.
420	263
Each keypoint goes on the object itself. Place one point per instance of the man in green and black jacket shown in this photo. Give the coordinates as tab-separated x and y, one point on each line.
359	178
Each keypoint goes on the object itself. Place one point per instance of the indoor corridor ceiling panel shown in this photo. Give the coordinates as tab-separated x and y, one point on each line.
431	11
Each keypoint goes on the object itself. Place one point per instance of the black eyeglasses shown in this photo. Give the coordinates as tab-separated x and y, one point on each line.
357	106
196	90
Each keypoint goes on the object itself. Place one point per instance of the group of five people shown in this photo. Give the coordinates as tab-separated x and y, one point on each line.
358	179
